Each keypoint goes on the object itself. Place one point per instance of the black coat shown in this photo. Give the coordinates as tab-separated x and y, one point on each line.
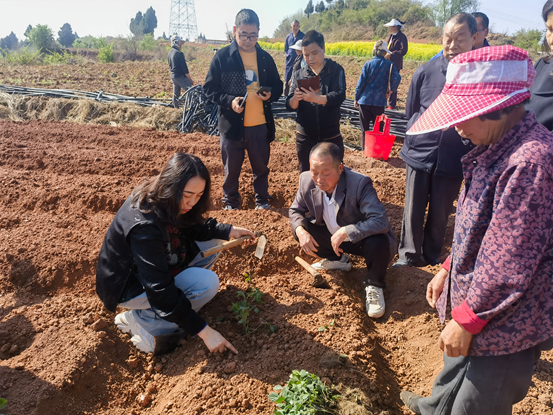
541	101
440	149
177	63
226	80
137	256
398	45
316	121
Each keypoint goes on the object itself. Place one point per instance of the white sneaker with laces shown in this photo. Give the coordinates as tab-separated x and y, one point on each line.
376	307
141	339
343	264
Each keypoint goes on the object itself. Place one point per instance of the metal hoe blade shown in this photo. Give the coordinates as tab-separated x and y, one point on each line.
260	248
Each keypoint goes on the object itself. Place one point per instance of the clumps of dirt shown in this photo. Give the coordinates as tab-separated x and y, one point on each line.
85	111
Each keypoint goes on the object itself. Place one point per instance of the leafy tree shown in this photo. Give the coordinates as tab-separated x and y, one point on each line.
66	36
309	9
42	38
137	25
28	31
144	23
9	42
151	21
319	8
528	39
148	43
444	9
340	4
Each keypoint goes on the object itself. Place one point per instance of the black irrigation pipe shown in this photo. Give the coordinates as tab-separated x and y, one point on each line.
200	113
99	96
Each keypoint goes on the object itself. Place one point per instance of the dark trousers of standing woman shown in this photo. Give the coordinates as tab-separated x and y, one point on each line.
368	114
392	101
304	144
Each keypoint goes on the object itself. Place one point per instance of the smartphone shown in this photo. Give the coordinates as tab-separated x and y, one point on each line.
244	101
264	89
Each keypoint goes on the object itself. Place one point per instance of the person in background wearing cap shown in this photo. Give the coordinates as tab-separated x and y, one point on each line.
371	92
298	63
482	30
291	40
398	46
542	90
179	70
497	278
239	69
433	172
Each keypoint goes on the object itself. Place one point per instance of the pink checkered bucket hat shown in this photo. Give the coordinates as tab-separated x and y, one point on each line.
477	83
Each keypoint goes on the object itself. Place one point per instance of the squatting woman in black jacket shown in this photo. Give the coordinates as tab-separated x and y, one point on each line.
150	261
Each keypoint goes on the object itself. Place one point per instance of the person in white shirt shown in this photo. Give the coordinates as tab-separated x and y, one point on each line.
337	211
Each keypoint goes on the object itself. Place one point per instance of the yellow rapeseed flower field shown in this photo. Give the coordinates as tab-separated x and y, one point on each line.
416	52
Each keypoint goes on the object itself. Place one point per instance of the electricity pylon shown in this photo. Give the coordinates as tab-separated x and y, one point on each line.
182	21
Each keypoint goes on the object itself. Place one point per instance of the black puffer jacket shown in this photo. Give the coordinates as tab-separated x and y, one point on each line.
226	80
541	101
137	256
320	121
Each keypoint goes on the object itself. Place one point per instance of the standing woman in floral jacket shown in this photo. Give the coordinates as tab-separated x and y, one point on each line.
398	45
150	260
371	92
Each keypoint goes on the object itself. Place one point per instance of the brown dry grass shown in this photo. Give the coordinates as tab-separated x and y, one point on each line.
83	111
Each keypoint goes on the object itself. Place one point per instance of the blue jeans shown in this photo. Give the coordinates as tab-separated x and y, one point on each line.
198	284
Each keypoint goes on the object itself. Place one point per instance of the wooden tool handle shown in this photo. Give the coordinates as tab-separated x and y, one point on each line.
308	267
224	245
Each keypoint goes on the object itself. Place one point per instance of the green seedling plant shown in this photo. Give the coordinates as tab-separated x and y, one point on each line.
3	403
304	394
248	300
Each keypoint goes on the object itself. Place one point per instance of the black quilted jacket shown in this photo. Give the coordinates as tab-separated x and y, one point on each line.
226	80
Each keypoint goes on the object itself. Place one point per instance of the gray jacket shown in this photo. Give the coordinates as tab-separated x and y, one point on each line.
361	212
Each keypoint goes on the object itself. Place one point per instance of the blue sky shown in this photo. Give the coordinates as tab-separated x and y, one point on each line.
112	17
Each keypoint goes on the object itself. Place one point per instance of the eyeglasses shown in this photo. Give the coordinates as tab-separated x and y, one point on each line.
251	37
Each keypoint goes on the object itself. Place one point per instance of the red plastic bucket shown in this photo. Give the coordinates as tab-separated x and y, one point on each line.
378	145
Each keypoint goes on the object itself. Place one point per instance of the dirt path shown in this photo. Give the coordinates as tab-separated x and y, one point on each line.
60	186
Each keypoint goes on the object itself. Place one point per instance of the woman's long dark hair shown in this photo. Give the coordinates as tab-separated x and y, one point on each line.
162	194
547	8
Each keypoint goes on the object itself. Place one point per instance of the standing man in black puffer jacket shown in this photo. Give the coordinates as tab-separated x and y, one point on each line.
318	110
241	69
179	70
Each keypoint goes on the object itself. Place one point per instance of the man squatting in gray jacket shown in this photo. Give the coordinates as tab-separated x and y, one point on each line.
346	216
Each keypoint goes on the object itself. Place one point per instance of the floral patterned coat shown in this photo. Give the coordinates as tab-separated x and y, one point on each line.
501	273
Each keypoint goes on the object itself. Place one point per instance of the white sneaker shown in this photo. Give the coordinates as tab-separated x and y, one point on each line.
343	264
376	307
141	339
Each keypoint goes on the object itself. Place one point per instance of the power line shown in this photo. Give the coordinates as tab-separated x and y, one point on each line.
512	19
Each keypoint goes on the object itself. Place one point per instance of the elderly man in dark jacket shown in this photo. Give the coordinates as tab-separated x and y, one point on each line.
434	172
290	53
180	76
239	69
337	210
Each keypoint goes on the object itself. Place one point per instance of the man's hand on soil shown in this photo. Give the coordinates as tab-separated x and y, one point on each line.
340	236
455	340
214	341
435	287
307	242
236	105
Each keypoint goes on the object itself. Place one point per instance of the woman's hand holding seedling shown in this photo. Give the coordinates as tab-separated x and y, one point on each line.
214	341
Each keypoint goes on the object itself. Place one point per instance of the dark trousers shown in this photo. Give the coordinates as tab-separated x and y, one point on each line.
304	144
392	101
375	249
178	83
482	385
367	115
426	239
256	143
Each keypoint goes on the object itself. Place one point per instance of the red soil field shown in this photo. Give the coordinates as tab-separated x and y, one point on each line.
60	353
